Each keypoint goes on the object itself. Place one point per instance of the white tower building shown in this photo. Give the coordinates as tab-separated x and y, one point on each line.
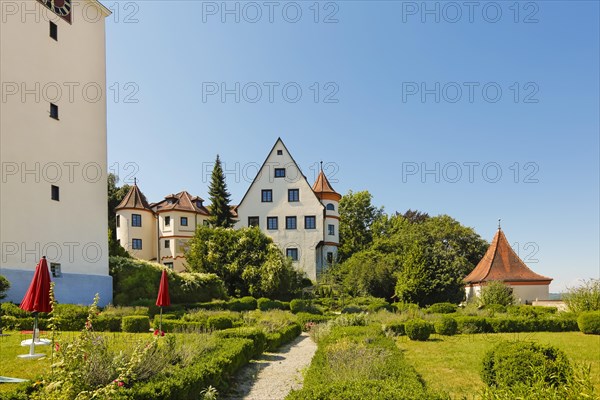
53	147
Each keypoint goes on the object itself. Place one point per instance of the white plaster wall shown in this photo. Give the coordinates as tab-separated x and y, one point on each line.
69	153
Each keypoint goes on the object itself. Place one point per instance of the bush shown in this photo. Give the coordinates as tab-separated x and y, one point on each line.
352	309
417	329
265	304
495	308
107	323
467	324
135	323
247	303
299	305
589	322
442	308
530	311
176	325
395	328
446	326
256	335
219	322
585	297
282	336
512	363
137	279
496	292
13	310
70	317
4	286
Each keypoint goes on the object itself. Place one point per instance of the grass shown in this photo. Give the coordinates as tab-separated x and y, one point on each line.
452	364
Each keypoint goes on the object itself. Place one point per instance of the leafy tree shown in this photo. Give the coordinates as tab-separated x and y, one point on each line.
370	273
415	216
357	216
220	213
585	297
4	286
246	259
115	196
496	292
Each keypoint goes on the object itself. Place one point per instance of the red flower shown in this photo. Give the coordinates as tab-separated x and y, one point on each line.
56	346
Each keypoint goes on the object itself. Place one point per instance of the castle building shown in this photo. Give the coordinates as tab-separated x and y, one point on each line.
53	147
501	263
159	231
303	220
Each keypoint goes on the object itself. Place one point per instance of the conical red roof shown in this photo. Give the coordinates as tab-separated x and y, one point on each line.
134	199
322	186
501	263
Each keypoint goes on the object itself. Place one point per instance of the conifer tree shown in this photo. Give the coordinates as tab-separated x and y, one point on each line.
220	214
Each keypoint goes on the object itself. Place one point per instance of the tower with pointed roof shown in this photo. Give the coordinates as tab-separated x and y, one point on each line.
501	263
159	231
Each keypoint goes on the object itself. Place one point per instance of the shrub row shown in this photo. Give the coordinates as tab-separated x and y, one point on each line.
210	323
359	362
305	306
265	304
306	319
212	369
589	322
135	324
515	324
283	336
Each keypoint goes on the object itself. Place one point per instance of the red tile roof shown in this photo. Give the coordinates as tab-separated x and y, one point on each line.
182	201
322	185
501	263
134	199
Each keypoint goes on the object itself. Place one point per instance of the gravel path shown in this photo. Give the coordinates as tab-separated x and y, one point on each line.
274	375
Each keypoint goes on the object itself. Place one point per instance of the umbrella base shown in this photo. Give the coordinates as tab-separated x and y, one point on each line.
31	356
38	342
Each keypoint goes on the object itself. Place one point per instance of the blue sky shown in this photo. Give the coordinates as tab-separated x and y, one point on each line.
481	111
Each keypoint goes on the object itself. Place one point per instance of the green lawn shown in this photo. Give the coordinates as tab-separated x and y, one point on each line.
452	364
14	367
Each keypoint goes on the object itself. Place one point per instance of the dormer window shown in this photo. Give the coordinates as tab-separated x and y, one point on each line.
199	203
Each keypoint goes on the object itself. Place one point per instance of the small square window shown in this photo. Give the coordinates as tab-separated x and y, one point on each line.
293	195
53	30
279	172
136	220
310	222
169	265
55	269
331	229
136	244
290	222
167	244
266	196
184	221
167	221
329	257
272	223
292	253
53	111
279	152
253	221
118	220
55	193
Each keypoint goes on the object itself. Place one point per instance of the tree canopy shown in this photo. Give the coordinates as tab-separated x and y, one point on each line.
220	213
246	259
357	216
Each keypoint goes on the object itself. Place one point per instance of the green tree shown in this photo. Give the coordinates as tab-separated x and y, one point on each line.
247	261
585	297
357	216
220	213
115	196
496	292
4	286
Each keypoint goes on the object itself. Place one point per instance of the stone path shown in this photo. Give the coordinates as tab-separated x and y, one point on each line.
274	375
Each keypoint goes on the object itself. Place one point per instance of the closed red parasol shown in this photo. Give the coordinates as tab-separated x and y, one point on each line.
163	299
37	298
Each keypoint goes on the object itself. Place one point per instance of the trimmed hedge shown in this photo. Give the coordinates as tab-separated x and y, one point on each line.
135	324
176	325
589	322
468	324
212	369
446	326
396	328
283	336
247	303
265	304
107	323
256	335
442	308
218	322
511	363
417	329
299	305
353	309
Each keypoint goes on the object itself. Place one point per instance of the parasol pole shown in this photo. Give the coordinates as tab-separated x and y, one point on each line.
160	323
35	325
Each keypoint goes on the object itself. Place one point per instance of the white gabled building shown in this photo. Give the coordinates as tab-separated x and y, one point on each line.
301	219
53	147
